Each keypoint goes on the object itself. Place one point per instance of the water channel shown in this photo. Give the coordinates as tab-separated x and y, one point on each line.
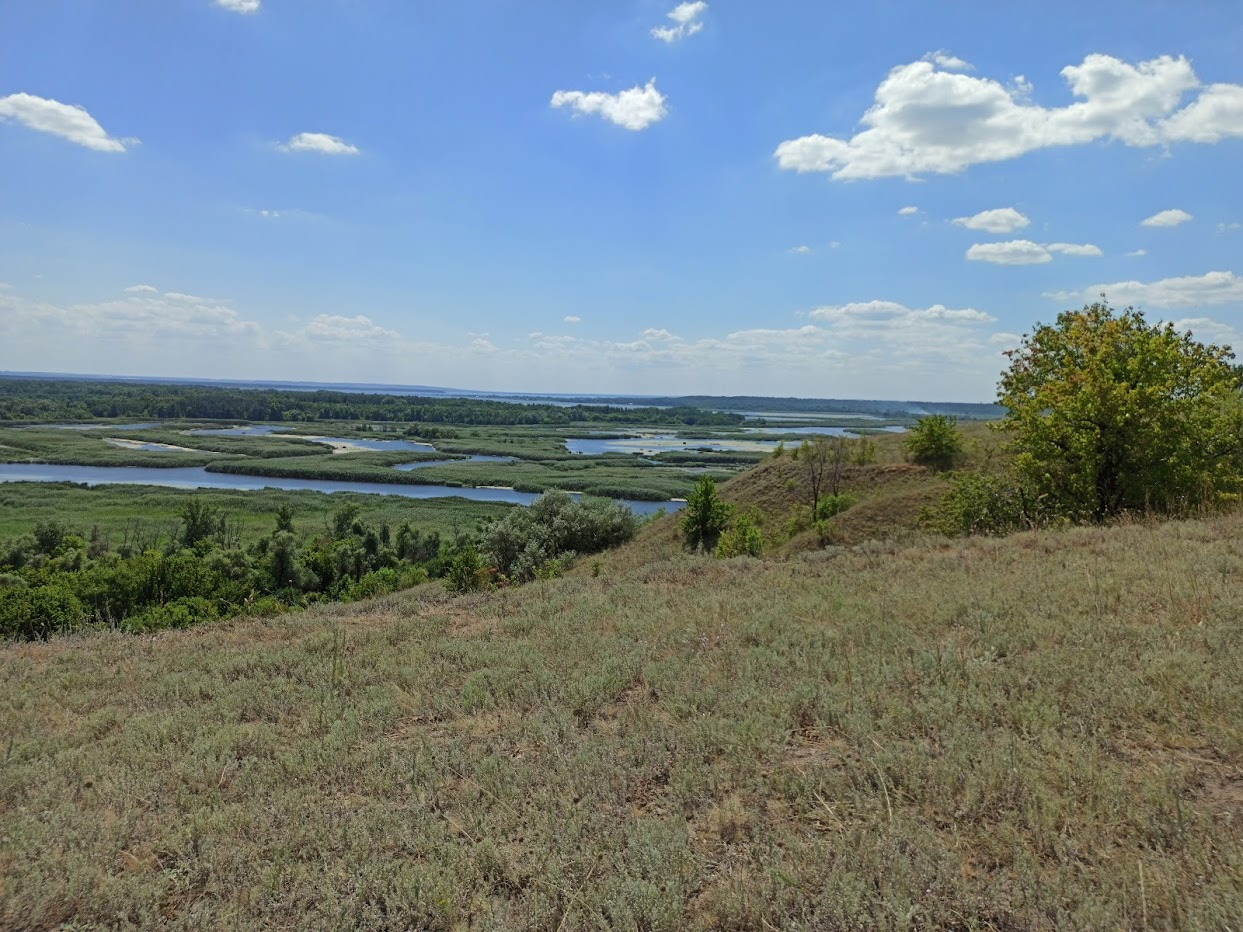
197	477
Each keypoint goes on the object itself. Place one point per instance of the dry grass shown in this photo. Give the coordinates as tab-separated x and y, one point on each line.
1034	733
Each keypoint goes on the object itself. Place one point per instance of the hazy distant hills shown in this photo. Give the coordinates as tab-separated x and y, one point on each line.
754	405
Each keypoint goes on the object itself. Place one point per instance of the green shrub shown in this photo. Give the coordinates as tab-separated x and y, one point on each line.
36	613
830	506
935	442
984	504
179	613
466	571
553	528
743	539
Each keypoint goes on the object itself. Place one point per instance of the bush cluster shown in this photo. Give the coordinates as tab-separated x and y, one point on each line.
53	580
528	542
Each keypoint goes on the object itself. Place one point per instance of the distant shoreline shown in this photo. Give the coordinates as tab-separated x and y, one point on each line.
751	405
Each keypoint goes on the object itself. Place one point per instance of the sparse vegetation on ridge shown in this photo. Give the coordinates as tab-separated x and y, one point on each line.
1037	732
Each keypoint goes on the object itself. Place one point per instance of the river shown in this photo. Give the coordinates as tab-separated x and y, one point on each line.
196	477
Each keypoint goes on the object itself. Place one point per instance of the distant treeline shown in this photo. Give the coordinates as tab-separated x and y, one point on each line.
54	400
896	410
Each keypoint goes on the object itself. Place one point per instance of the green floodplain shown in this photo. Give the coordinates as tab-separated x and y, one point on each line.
79	548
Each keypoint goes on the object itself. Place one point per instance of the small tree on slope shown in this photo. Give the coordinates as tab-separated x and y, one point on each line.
705	516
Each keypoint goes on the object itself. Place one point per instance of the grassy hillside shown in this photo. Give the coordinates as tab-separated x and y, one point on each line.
1031	733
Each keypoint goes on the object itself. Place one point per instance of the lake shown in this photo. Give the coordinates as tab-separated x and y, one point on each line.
196	477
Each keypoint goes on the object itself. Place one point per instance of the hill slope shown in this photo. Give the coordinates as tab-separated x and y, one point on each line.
1029	733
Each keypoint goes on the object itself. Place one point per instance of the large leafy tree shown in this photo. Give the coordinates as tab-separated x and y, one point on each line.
1109	413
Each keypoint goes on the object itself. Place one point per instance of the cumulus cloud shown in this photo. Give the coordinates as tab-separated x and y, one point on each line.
871	347
851	341
333	328
1183	291
1001	220
803	250
1015	252
1166	218
67	121
907	211
1134	253
1074	249
633	109
1208	330
947	61
686	22
1025	252
239	6
929	118
572	319
1214	115
872	313
318	142
145	316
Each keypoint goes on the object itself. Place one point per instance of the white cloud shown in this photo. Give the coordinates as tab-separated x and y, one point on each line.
686	22
801	250
1074	249
907	211
926	118
1015	252
318	142
890	313
1208	330
333	328
1001	220
947	61
572	319
284	214
1166	218
1184	291
67	121
1214	115
1229	227
879	349
1134	253
1025	252
633	109
239	6
145	317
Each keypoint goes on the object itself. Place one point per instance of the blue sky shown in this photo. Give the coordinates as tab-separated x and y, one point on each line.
871	200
